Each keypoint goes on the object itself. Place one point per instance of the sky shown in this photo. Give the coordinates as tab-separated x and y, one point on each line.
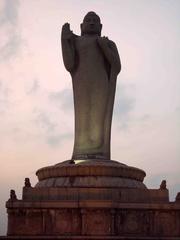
36	104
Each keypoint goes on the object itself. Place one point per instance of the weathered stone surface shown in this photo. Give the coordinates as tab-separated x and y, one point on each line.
96	193
87	238
93	62
91	198
91	173
93	218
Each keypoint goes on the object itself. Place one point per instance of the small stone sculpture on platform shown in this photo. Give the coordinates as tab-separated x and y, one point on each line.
178	197
12	195
163	185
93	62
27	182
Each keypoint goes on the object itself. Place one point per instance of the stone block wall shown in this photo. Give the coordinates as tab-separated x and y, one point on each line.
93	218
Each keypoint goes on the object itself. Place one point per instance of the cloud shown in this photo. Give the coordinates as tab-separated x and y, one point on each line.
145	117
4	101
44	121
10	48
49	127
178	109
9	12
11	38
55	140
63	99
34	88
124	104
4	90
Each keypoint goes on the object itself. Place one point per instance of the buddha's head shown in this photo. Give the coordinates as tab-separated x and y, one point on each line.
91	24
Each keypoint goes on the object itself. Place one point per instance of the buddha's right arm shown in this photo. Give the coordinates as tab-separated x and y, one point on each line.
68	53
68	49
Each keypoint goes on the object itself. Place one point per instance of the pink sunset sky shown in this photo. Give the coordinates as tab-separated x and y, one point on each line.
36	106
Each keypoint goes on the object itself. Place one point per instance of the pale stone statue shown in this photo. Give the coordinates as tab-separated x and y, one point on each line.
93	62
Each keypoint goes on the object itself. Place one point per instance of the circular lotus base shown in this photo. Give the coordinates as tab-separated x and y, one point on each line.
91	173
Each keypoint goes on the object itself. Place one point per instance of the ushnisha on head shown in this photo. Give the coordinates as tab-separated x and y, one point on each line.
91	24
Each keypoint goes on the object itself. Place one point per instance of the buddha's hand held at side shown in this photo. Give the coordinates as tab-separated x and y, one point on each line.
103	42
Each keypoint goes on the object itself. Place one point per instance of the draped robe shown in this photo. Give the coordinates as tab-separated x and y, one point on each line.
94	83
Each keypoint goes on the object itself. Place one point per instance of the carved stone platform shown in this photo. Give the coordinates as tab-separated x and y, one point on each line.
90	173
90	199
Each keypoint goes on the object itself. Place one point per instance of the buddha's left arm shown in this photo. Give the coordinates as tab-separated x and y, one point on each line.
111	53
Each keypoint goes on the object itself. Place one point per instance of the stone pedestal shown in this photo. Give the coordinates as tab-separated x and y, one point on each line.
93	199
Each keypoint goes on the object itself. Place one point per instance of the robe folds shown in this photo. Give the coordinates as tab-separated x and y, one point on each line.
94	84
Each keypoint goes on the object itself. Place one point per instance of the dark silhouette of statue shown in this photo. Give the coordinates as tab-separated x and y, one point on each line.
93	62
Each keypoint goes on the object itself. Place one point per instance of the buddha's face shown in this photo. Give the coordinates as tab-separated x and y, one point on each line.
91	25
